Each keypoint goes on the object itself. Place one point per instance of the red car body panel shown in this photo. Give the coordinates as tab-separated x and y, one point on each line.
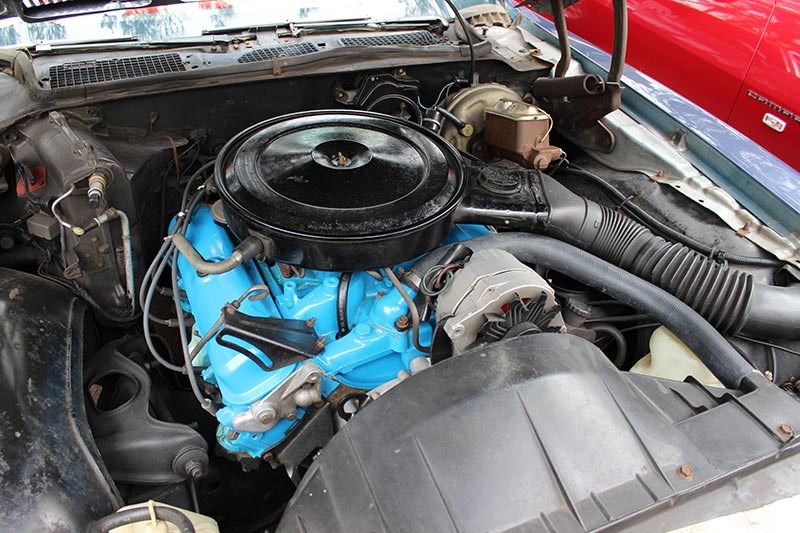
738	60
772	85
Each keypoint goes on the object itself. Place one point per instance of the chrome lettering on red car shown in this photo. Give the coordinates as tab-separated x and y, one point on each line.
775	107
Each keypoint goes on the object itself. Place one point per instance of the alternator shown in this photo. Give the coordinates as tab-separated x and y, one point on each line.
491	289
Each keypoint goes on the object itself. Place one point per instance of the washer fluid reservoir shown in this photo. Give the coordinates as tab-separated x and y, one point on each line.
669	358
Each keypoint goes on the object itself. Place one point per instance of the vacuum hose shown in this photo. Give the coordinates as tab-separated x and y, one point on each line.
245	251
142	514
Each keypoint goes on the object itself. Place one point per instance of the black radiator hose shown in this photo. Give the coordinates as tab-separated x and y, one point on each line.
710	346
728	298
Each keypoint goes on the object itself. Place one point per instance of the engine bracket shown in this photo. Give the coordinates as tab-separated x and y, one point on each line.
286	341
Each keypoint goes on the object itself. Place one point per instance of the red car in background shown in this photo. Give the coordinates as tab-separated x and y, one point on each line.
738	60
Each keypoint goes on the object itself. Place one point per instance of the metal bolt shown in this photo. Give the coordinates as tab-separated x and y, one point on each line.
313	377
291	416
232	435
402	323
320	344
195	469
786	430
310	322
266	414
686	472
362	330
269	458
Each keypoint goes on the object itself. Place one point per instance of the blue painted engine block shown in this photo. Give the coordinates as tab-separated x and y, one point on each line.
372	353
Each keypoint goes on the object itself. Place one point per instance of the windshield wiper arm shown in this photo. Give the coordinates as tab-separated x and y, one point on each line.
45	47
275	25
296	29
374	25
124	43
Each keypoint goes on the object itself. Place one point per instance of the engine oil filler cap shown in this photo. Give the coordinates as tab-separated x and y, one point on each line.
340	190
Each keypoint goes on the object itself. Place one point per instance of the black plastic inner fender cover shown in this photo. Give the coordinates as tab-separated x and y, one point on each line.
340	190
53	477
539	433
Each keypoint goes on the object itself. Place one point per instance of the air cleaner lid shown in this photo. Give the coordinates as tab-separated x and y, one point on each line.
339	175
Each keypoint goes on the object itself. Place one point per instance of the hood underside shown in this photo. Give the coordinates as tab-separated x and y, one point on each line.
42	10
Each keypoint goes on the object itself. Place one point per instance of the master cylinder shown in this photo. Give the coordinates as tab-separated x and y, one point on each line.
520	132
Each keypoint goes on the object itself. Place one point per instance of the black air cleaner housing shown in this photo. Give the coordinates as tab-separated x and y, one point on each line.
340	190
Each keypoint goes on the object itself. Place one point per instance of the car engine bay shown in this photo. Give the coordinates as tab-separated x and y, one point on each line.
265	280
